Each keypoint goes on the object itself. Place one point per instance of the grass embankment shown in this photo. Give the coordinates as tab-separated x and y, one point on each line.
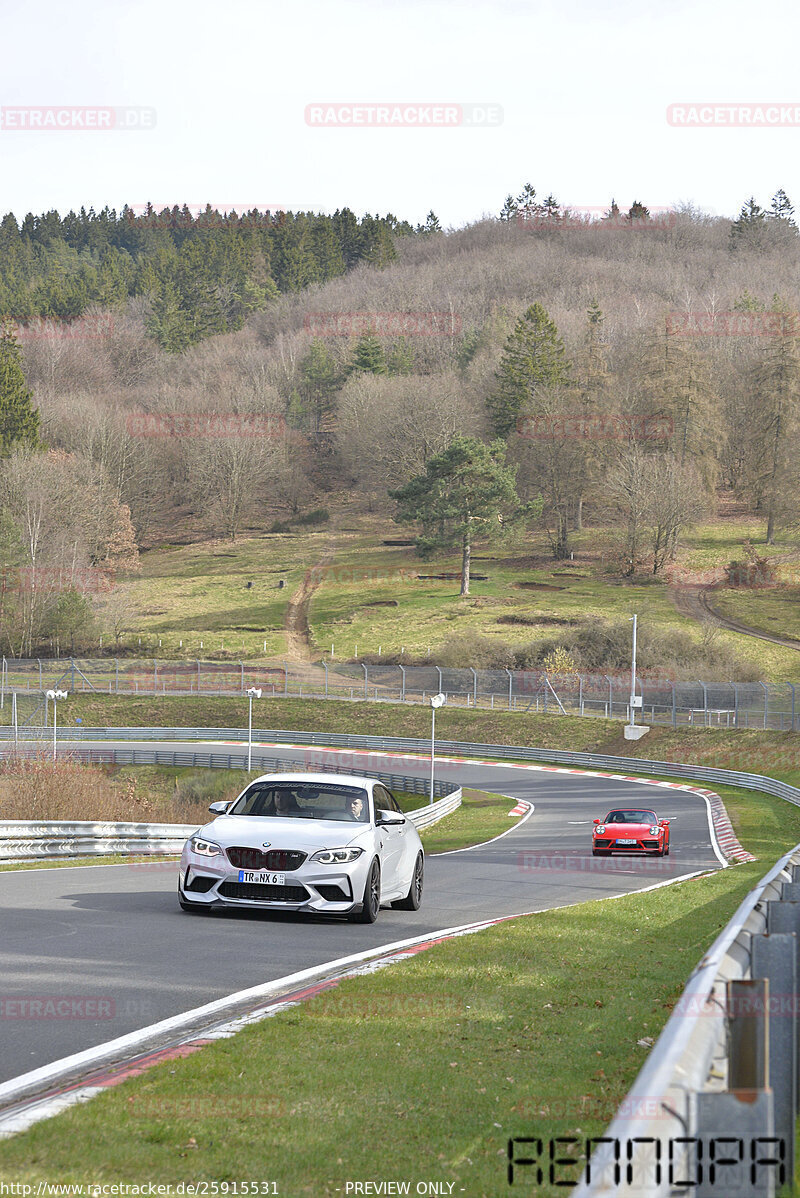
773	753
218	598
215	599
775	610
373	596
523	1029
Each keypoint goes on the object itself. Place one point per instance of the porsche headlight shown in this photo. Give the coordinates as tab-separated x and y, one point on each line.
337	856
600	829
204	848
654	831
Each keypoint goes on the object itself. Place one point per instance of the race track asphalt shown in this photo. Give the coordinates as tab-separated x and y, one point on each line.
115	934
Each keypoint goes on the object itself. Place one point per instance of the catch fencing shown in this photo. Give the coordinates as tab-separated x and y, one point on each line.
662	700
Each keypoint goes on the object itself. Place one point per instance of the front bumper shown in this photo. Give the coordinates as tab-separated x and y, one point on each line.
645	845
313	887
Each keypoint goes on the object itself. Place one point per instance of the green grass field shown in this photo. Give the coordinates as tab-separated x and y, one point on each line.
194	601
199	594
774	610
372	599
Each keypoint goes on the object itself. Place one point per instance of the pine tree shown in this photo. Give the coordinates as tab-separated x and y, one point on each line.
401	358
638	214
781	208
593	397
774	471
467	492
533	360
431	224
369	355
510	209
748	228
19	420
681	402
527	202
321	381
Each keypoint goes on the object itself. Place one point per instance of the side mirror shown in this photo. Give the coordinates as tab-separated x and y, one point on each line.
219	808
389	818
664	823
597	821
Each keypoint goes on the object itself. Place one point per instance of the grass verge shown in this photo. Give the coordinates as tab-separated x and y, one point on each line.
774	753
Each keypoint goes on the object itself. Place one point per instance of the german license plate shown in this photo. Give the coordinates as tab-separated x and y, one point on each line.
626	842
262	877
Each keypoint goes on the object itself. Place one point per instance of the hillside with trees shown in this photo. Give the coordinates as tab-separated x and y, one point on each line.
635	366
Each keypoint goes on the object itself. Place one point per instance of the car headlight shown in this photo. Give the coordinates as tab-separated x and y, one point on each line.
204	848
600	829
337	856
654	831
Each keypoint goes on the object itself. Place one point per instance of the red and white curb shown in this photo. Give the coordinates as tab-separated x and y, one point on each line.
722	834
520	809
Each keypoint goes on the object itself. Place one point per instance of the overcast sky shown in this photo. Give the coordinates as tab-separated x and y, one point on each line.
583	88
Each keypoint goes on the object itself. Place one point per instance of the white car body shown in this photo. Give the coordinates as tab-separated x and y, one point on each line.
267	860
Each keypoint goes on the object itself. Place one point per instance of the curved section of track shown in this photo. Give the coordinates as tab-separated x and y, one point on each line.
112	940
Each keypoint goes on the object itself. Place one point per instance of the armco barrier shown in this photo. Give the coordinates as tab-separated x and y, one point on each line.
22	840
389	744
716	1102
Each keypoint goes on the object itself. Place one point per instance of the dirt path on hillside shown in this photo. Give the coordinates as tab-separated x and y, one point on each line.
695	601
295	622
707	607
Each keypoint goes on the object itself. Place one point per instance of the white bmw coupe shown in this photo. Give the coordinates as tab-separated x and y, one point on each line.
329	843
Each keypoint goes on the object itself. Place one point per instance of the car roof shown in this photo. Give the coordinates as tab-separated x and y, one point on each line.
338	779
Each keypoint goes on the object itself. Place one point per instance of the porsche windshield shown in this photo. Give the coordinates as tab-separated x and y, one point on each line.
631	817
304	800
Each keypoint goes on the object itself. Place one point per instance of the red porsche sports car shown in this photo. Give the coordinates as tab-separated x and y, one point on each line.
630	830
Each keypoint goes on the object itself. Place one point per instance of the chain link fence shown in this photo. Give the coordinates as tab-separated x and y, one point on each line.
659	700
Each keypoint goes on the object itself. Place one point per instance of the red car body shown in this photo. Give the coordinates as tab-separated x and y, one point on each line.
630	830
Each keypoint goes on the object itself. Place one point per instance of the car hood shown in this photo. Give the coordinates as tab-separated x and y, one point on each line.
628	829
254	831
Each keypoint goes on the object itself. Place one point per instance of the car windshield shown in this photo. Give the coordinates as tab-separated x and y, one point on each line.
631	817
304	800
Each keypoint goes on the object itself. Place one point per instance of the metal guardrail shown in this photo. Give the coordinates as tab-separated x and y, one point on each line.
30	840
722	1076
390	744
22	840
